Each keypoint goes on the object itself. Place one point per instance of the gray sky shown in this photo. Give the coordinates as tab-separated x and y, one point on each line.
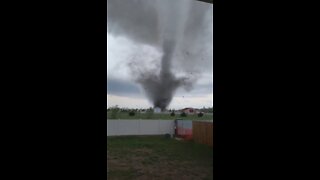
133	36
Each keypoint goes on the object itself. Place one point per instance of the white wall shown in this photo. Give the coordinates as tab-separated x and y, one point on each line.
139	127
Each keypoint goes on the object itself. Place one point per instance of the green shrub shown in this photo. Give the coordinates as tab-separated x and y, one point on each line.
183	114
114	112
200	114
149	113
132	113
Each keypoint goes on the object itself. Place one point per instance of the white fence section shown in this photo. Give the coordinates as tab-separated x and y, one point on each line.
139	127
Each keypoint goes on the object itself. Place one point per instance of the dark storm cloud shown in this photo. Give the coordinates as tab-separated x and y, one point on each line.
122	88
127	88
178	28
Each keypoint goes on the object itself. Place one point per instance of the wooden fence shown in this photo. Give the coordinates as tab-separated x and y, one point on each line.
202	132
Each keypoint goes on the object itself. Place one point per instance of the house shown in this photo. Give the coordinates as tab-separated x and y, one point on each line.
157	110
190	110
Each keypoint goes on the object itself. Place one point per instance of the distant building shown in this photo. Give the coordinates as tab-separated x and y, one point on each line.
190	110
157	110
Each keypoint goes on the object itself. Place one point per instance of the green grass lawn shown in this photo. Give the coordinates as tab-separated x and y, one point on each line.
158	158
125	115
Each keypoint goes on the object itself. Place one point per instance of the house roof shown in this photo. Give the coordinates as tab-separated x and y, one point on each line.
189	108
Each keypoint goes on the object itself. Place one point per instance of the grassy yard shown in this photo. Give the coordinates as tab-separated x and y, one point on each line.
157	158
125	115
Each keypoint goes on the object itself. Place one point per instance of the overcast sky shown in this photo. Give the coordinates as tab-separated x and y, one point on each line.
124	45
